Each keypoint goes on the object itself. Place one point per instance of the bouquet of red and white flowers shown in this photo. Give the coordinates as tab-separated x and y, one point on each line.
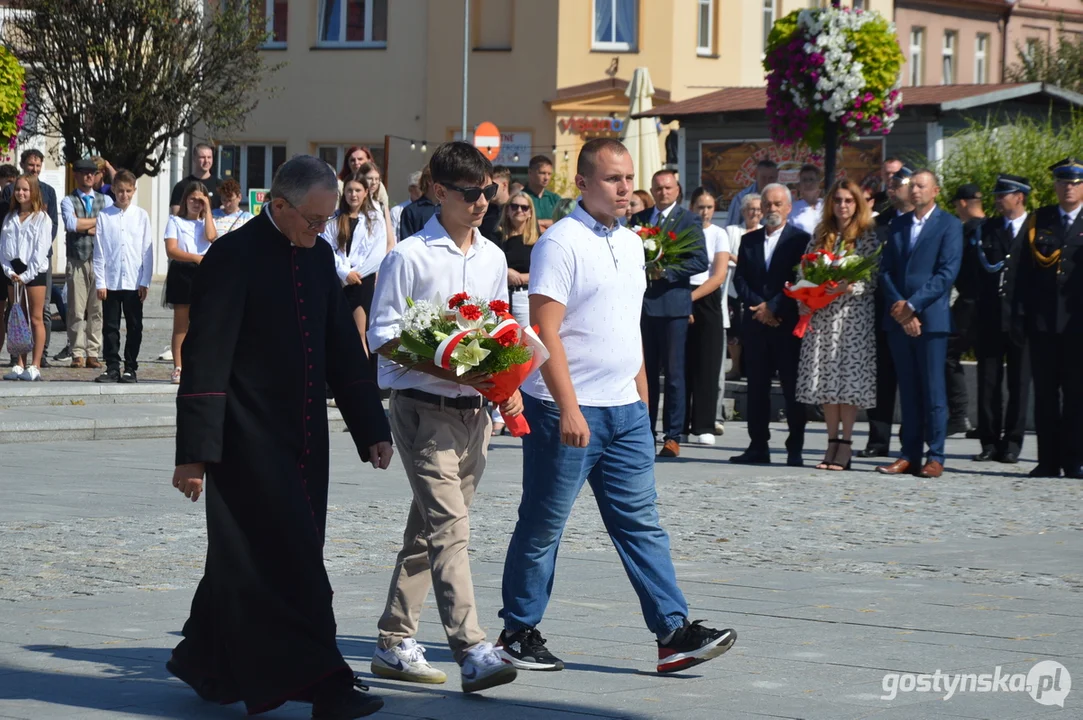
820	276
478	339
663	248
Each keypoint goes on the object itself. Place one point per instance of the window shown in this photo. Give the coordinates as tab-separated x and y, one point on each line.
917	62
359	23
276	13
859	4
1031	50
768	21
492	24
981	68
705	34
253	166
948	75
615	25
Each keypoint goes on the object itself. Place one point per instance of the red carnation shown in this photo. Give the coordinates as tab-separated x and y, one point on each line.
470	312
811	257
498	306
672	235
457	300
508	339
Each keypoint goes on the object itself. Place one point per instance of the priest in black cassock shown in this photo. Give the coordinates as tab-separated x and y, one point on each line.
269	328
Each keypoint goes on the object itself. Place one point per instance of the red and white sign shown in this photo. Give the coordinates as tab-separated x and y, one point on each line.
487	139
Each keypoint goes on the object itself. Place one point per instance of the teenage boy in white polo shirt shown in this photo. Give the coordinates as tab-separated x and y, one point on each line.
123	263
587	410
441	427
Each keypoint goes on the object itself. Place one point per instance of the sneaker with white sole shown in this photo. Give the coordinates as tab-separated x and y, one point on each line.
16	373
525	649
691	645
406	661
31	374
484	668
704	439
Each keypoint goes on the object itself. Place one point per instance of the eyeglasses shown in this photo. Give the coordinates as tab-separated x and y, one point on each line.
471	194
514	207
312	224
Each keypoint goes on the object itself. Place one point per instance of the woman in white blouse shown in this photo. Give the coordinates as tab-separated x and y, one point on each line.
371	173
751	215
359	238
188	235
25	240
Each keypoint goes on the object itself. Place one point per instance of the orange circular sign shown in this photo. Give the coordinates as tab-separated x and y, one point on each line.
487	139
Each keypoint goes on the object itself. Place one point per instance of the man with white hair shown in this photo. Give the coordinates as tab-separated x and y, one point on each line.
262	629
415	192
765	264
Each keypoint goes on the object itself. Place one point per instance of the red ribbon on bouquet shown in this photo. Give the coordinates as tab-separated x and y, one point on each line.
504	383
816	297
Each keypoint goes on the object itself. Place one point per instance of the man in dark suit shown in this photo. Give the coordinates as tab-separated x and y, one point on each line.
995	251
766	262
968	208
1049	293
920	262
667	305
882	416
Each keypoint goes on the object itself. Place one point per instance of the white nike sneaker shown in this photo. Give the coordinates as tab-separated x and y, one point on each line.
16	373
485	668
704	439
31	374
406	661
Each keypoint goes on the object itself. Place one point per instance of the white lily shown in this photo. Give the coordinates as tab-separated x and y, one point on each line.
468	357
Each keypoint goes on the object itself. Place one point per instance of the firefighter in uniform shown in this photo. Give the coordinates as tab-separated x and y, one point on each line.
1049	295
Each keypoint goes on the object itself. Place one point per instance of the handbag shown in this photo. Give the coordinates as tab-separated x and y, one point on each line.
20	338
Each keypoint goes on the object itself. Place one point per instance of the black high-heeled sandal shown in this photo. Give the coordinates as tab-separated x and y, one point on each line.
836	467
826	464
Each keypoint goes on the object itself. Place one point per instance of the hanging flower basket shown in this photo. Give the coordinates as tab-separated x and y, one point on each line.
832	64
12	98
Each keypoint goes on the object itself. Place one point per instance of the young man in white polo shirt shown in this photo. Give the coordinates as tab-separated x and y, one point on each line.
588	416
440	426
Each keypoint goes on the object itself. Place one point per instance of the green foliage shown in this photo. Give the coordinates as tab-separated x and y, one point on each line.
123	78
1060	63
12	95
1018	146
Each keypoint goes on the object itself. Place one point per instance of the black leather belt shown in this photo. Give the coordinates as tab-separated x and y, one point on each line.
466	402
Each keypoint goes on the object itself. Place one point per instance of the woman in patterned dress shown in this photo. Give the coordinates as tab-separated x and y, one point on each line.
838	355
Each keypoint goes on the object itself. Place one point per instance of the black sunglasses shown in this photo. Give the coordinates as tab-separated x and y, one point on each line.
519	208
471	194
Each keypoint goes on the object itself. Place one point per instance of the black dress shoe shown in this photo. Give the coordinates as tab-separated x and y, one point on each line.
1008	458
1075	473
1044	472
985	455
871	452
973	434
751	457
346	706
795	460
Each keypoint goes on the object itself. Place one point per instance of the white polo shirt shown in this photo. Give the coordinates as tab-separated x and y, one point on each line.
599	275
422	267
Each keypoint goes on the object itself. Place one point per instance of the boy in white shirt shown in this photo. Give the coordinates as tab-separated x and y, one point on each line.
440	426
123	262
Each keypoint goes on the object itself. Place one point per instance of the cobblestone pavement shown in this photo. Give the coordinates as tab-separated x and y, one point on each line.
830	578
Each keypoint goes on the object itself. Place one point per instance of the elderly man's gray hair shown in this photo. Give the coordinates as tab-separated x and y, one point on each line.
749	199
777	186
301	174
414	179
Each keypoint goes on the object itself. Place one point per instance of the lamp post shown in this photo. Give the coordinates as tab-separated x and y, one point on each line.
831	142
466	61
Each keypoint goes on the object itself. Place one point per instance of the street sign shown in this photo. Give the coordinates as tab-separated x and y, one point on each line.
256	198
487	139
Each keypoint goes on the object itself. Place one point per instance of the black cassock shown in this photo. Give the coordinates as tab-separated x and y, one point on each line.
269	327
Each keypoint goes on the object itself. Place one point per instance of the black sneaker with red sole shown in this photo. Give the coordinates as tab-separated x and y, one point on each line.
692	645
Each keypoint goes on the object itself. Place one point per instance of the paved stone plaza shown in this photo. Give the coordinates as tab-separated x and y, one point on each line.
832	580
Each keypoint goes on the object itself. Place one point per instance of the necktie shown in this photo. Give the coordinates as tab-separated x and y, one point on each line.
1066	221
88	203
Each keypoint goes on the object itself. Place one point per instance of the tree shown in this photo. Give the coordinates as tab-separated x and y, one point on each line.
124	77
1059	64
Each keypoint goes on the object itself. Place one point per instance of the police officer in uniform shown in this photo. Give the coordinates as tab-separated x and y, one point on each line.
996	250
964	307
1049	293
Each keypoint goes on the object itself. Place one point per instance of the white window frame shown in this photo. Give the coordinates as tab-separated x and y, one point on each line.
269	15
948	70
596	44
707	49
770	11
242	177
981	59
342	42
917	56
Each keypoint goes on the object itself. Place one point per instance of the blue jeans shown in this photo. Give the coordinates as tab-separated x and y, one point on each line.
619	463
